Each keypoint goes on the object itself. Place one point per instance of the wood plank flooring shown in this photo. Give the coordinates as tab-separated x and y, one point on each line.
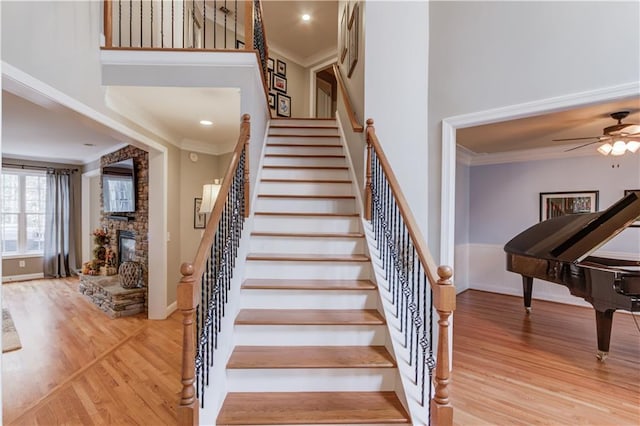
510	368
78	366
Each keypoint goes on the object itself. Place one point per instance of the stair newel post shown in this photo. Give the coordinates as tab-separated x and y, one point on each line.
246	127
107	27
187	303
444	301
367	190
249	20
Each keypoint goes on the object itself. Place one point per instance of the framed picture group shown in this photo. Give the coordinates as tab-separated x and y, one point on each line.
277	82
350	34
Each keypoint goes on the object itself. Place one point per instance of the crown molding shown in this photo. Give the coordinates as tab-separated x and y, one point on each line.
206	148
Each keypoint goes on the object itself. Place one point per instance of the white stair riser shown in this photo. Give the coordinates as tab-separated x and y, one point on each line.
305	188
302	123
307	150
268	173
304	139
308	270
310	335
310	380
305	224
309	299
304	161
310	245
304	205
331	131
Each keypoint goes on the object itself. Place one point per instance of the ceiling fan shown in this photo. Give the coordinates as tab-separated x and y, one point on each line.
616	139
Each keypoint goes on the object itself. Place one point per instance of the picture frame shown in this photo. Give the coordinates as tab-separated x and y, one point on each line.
270	79
279	83
283	105
344	33
555	204
352	49
239	45
281	68
199	219
270	64
272	100
635	224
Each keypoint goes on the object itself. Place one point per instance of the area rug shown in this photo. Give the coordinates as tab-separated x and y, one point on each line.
10	338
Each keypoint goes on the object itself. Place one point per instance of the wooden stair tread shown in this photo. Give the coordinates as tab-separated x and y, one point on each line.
283	408
271	284
305	155
245	357
327	196
273	135
305	180
308	257
309	234
309	317
291	126
266	166
305	145
302	214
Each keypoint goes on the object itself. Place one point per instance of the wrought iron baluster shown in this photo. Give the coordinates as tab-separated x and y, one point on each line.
151	27
204	24
130	23
141	24
161	23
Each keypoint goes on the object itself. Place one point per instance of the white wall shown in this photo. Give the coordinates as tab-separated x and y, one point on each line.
396	93
504	201
485	55
461	255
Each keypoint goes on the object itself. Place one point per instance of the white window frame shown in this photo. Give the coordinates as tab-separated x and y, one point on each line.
22	214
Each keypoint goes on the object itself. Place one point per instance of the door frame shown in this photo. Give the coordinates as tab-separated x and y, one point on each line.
312	82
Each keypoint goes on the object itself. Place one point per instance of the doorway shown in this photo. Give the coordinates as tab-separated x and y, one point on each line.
326	93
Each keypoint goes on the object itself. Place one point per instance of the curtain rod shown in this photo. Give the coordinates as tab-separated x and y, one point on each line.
26	166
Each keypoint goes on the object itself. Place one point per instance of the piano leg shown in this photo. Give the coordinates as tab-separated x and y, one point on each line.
527	287
603	327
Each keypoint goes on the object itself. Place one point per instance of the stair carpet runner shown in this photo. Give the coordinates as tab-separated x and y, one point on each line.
310	342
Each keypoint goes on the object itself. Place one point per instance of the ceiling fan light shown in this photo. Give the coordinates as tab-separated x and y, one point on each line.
619	147
633	146
605	149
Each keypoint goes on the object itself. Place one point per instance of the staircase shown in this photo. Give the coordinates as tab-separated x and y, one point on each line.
311	344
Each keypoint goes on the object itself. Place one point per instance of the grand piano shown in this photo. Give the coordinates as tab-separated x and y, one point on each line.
558	250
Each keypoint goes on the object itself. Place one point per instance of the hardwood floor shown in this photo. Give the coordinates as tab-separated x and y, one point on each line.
79	367
514	369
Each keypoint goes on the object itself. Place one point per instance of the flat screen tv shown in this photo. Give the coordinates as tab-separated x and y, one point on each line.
119	187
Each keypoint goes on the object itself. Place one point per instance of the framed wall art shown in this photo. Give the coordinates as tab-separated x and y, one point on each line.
635	224
279	83
352	49
283	105
281	68
270	64
272	101
554	204
199	219
344	30
239	45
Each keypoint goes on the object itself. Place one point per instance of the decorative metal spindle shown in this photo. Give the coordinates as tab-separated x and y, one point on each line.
225	25
235	24
172	23
204	24
193	24
161	23
151	28
215	28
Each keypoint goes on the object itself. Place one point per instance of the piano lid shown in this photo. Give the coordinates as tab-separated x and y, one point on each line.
573	237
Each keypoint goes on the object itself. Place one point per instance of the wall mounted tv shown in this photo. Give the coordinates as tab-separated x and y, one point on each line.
119	187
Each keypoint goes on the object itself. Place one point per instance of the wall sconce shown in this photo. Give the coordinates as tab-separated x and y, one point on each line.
209	194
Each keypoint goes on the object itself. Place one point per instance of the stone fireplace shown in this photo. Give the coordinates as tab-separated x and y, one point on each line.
126	246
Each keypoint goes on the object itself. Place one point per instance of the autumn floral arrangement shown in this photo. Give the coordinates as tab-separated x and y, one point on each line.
104	258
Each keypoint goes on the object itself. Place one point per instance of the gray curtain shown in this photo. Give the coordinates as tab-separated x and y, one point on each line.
59	239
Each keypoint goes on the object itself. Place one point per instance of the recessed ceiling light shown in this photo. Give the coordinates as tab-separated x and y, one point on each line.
206	122
306	17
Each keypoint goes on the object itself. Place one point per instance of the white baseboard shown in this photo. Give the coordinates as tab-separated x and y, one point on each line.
24	277
172	308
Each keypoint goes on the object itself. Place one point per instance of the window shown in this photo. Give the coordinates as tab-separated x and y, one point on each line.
23	210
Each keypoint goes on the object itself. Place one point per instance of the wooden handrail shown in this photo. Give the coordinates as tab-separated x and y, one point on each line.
355	125
107	25
444	295
191	281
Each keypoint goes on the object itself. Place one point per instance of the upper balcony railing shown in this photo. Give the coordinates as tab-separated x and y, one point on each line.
195	25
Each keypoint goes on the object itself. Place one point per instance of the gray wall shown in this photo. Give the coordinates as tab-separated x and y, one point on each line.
504	198
484	55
